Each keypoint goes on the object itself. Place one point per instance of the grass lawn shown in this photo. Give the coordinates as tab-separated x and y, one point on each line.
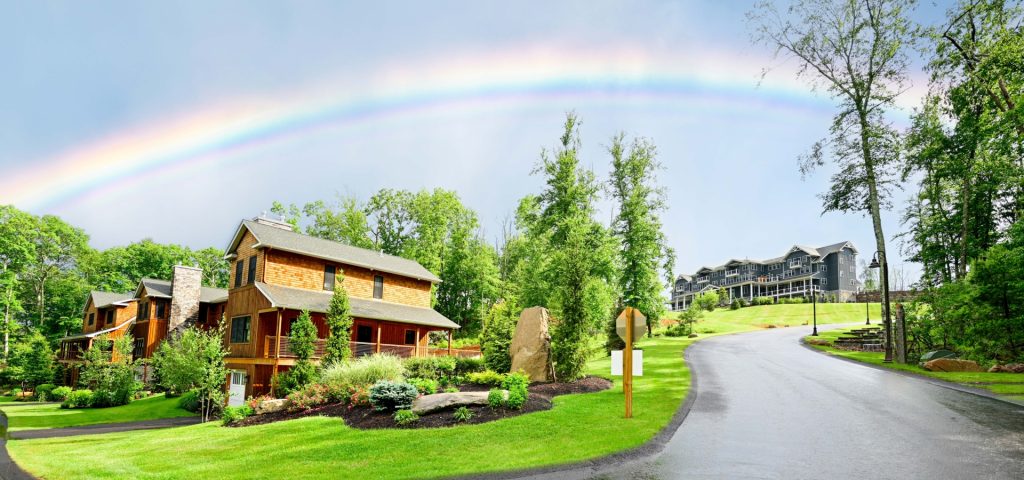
579	427
1010	384
30	417
725	320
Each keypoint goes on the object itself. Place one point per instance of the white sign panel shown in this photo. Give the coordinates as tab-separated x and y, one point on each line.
638	363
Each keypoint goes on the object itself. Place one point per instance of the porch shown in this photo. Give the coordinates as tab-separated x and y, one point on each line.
359	349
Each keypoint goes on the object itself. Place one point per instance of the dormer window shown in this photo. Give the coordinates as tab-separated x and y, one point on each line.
92	318
378	286
252	271
238	273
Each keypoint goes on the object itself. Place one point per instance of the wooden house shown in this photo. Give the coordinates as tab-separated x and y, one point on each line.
277	273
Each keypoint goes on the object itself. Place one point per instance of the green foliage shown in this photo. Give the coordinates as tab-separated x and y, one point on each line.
108	370
32	360
78	399
487	377
462	414
737	303
645	259
193	361
44	391
516	384
232	415
364	371
451	390
792	301
386	395
310	396
466	365
496	337
433	368
190	401
303	344
425	386
707	301
405	417
339	324
60	394
764	301
496	398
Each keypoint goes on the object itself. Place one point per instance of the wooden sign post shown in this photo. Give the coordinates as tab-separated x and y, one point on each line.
626	326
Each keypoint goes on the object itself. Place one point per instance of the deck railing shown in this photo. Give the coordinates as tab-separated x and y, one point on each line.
360	349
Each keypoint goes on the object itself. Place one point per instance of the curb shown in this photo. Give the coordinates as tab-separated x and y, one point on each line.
934	381
648	449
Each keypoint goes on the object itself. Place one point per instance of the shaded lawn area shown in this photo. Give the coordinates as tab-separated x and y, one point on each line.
578	427
30	417
1011	384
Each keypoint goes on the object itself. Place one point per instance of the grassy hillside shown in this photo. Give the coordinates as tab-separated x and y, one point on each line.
771	316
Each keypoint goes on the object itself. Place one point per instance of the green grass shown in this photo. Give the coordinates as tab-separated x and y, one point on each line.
30	417
999	383
579	427
725	320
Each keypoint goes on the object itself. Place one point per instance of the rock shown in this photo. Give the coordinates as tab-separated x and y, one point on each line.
692	335
936	354
441	401
951	365
531	345
1008	368
817	341
272	406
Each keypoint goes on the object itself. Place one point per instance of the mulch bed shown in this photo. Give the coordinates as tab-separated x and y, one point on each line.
366	418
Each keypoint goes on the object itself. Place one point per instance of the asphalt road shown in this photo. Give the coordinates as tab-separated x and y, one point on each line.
767	407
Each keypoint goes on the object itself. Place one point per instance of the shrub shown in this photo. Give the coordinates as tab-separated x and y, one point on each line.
108	370
465	366
424	385
516	384
386	395
60	394
366	370
190	401
707	301
43	391
358	396
308	397
235	414
462	414
433	368
78	399
296	378
737	303
764	301
194	360
496	337
496	398
487	377
451	390
406	417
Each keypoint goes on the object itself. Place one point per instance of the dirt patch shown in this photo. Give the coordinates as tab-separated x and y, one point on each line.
366	418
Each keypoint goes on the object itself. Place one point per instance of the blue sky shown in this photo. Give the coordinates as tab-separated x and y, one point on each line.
140	106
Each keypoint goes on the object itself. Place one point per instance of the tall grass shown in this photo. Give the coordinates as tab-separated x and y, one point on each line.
364	370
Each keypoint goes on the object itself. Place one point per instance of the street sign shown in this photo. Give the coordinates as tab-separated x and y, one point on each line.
638	363
639	323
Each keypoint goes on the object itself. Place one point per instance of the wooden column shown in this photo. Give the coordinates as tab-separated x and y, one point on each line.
277	353
449	342
417	341
377	349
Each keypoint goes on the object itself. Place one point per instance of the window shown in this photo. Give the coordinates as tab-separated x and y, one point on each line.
329	277
238	274
140	348
240	329
378	286
161	310
410	337
110	317
92	318
364	334
252	271
144	311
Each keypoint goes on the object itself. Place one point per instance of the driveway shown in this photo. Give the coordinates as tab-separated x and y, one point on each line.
769	408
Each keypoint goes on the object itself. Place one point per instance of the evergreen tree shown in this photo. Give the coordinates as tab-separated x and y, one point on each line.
303	345
339	325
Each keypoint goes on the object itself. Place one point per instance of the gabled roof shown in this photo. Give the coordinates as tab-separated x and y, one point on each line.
289	241
101	332
162	289
820	252
317	301
835	247
809	250
106	299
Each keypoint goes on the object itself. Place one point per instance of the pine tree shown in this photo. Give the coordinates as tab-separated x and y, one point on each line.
339	325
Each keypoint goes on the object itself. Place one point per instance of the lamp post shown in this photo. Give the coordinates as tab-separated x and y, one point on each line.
867	308
814	304
879	261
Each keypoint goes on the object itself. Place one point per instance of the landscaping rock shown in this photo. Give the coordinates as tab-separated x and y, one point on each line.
531	345
272	406
818	341
951	365
441	401
937	354
692	335
1008	368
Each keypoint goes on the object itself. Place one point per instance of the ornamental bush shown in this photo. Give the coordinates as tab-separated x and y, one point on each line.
44	391
462	414
764	301
366	370
425	386
433	368
235	414
516	384
406	417
309	396
190	401
78	399
496	398
60	394
486	377
386	395
496	337
465	366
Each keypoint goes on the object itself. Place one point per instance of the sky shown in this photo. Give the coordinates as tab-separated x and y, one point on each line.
175	121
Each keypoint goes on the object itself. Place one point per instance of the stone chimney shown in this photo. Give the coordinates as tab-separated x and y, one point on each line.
185	289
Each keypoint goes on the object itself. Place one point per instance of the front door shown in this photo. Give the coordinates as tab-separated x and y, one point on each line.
236	392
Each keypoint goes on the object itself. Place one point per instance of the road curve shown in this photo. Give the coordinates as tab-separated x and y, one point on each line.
766	407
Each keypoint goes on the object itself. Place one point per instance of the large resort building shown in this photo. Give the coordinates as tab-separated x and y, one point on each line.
829	270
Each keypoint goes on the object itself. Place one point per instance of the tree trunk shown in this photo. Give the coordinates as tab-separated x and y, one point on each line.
876	222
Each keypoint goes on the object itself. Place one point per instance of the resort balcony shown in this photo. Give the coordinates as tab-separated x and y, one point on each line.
360	349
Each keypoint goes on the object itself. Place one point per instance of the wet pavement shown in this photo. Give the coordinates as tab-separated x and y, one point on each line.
769	408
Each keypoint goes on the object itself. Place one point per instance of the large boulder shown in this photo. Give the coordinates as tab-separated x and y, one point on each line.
937	354
951	365
441	401
1008	368
272	406
531	345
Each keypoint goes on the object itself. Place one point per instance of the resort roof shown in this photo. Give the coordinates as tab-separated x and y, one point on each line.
290	241
317	301
820	252
162	289
106	299
101	332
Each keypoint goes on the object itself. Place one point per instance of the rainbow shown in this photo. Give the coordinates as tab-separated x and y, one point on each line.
486	80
